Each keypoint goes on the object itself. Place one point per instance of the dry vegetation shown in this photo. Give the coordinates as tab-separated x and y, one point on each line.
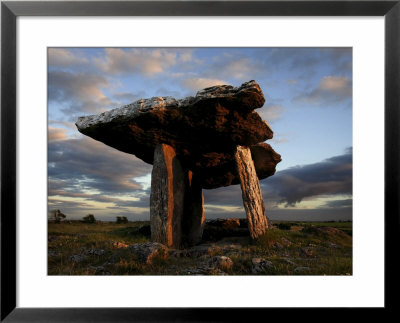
318	248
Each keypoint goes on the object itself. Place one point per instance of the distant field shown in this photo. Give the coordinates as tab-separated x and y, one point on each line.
290	248
346	226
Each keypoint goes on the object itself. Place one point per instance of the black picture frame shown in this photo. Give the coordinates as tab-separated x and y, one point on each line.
10	10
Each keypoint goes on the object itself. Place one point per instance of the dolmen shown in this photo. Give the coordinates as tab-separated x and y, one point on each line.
211	140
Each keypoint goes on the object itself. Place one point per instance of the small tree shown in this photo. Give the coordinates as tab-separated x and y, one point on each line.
89	218
56	216
59	216
122	219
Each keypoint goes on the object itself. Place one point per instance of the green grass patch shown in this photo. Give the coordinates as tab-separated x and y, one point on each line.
322	248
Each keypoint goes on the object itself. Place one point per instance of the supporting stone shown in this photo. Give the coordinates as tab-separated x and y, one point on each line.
251	192
193	218
167	197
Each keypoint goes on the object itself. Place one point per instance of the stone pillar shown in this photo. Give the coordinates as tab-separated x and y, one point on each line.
167	197
193	218
251	192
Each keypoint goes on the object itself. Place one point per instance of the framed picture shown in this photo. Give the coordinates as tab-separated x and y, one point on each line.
337	74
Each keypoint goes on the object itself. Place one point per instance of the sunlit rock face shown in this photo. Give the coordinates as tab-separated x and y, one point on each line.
251	194
203	130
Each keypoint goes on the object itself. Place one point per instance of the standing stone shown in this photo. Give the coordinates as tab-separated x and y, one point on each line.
193	218
251	192
167	197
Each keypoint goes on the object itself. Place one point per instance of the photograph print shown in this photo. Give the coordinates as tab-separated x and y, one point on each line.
200	161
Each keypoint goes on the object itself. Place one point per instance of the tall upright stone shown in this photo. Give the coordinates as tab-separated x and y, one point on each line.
167	197
251	192
193	219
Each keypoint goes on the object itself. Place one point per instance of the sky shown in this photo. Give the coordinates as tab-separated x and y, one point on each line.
308	94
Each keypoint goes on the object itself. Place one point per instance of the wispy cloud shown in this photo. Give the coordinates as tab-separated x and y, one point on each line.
128	97
55	134
331	89
305	62
280	139
271	112
147	62
62	57
140	200
234	66
292	81
62	123
66	86
196	84
78	92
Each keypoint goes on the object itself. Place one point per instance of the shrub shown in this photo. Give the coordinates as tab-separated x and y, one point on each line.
284	226
89	218
310	229
122	219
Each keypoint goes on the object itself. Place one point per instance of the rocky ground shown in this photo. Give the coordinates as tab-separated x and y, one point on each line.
76	248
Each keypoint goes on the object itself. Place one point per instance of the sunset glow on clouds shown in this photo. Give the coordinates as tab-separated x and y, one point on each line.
308	105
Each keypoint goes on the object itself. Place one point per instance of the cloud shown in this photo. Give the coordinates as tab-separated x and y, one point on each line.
66	124
84	164
340	58
122	61
55	134
329	178
279	139
225	196
214	211
335	84
237	66
332	176
84	81
66	86
140	200
291	81
145	61
318	214
162	91
91	172
128	97
68	207
78	92
61	57
196	84
304	62
77	209
339	203
330	90
270	112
